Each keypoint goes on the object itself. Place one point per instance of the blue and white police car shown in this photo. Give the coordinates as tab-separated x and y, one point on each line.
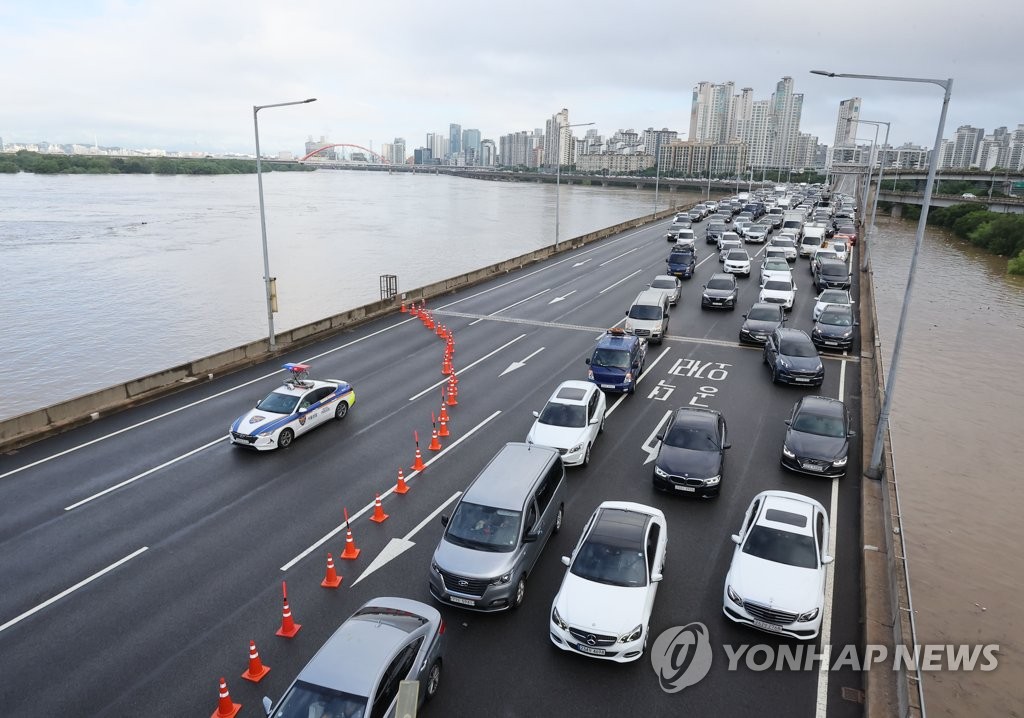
299	405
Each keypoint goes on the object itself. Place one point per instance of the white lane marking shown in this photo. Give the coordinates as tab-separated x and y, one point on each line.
642	376
396	547
194	403
580	264
650	445
74	588
620	281
147	472
620	256
467	367
826	618
515	304
520	364
387	493
562	298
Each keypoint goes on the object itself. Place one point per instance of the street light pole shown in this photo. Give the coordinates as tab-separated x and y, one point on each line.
268	281
558	171
657	175
874	470
874	202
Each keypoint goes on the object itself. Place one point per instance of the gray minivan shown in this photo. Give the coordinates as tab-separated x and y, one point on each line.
499	528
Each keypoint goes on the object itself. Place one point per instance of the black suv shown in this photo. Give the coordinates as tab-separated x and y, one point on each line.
720	291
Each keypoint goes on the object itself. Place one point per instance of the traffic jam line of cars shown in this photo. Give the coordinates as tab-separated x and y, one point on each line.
500	524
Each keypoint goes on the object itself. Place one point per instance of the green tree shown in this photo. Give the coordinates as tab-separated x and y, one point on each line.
1016	265
1002	235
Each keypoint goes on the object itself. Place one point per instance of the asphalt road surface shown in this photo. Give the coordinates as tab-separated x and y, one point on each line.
140	554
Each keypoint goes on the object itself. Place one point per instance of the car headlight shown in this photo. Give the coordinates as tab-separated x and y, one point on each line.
590	374
437	569
713	481
502	580
628	378
787	453
658	471
557	620
576	448
629	326
733	596
784	362
840	462
633	635
809	615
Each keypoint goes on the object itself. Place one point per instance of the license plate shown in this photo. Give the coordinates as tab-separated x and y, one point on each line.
814	467
831	344
766	626
684	488
463	601
800	378
607	386
591	650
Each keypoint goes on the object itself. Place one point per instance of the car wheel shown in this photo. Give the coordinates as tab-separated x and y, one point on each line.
773	370
558	520
600	429
284	440
586	456
433	681
341	411
517	599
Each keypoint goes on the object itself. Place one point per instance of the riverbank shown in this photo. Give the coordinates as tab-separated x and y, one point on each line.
49	164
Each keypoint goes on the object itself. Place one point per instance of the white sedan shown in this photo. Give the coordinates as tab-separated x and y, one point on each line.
778	291
776	581
603	607
300	405
670	285
831	296
570	421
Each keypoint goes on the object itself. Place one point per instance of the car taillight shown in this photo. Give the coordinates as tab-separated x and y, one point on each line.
440	631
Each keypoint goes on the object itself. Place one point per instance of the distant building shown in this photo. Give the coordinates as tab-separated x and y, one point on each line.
557	149
514	149
397	156
454	140
696	159
313	145
614	163
488	153
965	148
846	122
471	146
423	156
653	139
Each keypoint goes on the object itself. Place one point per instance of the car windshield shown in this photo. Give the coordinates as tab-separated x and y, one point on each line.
613	358
738	255
781	546
483	527
778	285
836	317
663	284
820	424
834	296
720	283
777	265
645	311
306	699
838	247
277	403
605	562
798	348
696	438
833	270
556	414
764	314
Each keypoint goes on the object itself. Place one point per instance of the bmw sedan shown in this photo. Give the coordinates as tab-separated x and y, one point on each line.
818	438
570	421
603	607
691	453
792	358
776	580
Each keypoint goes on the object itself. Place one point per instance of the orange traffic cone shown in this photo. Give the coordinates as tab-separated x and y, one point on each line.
404	309
446	367
256	669
453	391
225	708
443	431
418	464
401	487
351	552
378	511
443	416
331	578
439	329
288	627
434	445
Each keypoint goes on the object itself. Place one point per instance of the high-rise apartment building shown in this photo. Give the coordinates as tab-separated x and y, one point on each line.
712	116
846	122
786	107
471	146
488	153
653	140
397	151
965	149
556	139
454	140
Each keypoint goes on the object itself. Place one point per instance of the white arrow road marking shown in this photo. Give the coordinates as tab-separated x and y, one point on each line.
396	547
517	364
650	445
580	264
559	299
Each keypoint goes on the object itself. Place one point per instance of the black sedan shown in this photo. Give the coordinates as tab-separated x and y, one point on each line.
834	328
692	453
762	319
817	441
793	359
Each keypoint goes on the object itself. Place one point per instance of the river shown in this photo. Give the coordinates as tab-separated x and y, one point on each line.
108	278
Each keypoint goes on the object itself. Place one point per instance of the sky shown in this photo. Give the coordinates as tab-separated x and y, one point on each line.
184	75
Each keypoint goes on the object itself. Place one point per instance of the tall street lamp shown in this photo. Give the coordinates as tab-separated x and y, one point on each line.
657	175
874	202
558	171
874	470
268	281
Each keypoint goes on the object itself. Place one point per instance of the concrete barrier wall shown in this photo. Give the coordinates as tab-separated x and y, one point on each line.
32	426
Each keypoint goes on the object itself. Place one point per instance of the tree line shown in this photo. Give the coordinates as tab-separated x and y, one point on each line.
38	163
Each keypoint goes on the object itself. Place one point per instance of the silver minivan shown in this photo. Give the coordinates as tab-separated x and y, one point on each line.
498	529
648	315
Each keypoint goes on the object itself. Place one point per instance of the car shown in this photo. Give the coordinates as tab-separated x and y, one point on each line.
681	262
787	243
648	316
775	253
727	245
298	406
685	238
757	232
740	226
681	221
834	327
721	218
670	285
691	453
359	669
817	437
603	606
831	274
792	358
696	216
760	321
773	267
715	231
847	233
720	291
617	361
778	290
570	421
968	195
841	249
737	261
776	579
830	296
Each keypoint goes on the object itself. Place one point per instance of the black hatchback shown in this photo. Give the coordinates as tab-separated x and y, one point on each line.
691	454
817	440
793	359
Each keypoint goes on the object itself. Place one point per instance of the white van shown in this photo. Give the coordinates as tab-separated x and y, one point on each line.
648	317
810	243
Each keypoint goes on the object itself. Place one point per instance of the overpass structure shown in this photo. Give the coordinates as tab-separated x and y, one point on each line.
1011	205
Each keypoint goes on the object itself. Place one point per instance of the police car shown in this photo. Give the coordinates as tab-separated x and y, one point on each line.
617	361
298	406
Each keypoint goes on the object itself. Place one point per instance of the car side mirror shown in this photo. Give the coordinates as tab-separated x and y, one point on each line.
530	536
660	437
735	539
303	410
851	433
267	705
825	560
566	560
444	519
595	420
656	577
536	414
703	286
727	446
626	313
587	360
744	316
788	422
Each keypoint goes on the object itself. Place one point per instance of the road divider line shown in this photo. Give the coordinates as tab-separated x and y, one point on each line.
628	276
463	370
334	532
74	588
115	487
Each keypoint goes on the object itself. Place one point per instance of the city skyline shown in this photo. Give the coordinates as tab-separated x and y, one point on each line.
98	72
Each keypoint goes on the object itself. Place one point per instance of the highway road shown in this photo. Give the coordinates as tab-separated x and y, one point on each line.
140	554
